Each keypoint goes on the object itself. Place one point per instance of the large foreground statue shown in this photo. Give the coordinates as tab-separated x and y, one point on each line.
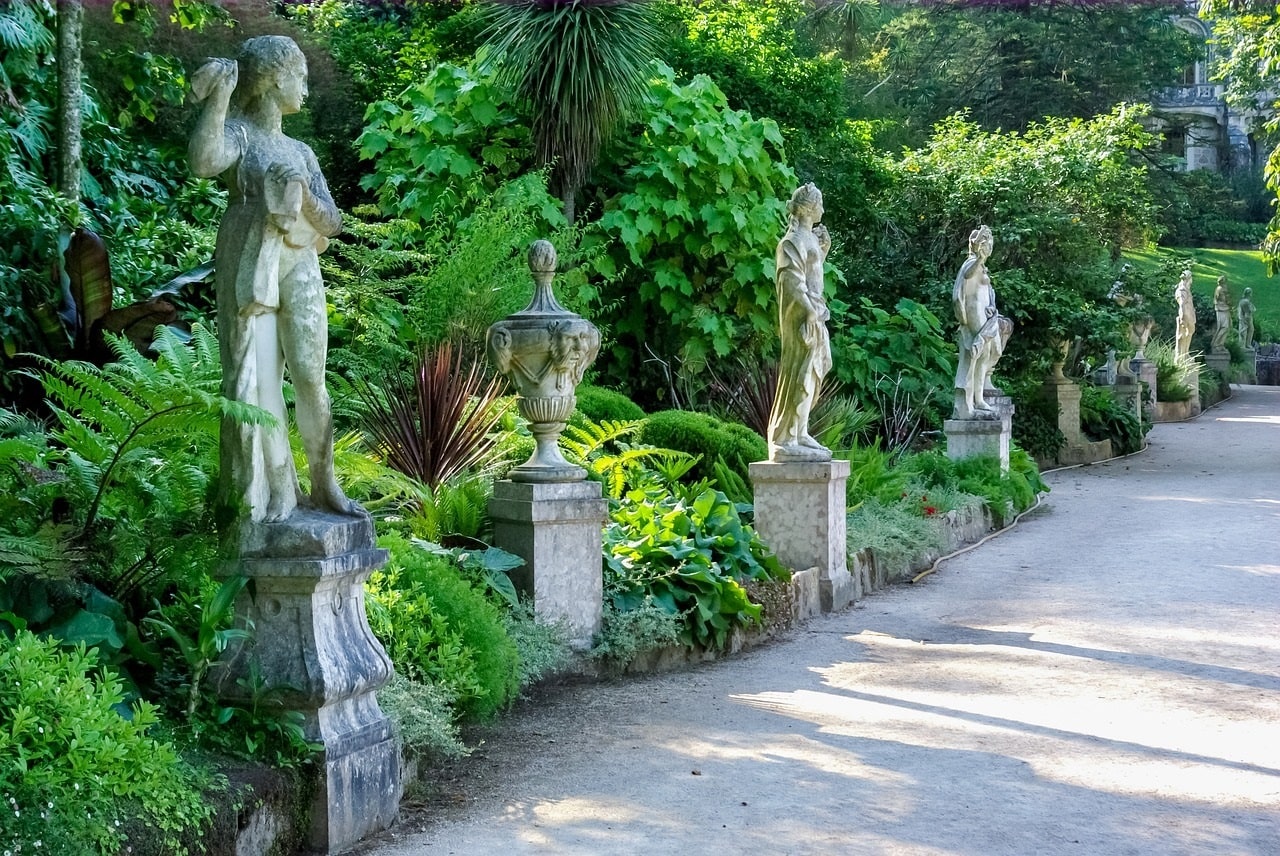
802	318
983	331
271	304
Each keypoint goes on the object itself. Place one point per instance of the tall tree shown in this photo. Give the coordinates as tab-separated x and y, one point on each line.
579	66
1014	63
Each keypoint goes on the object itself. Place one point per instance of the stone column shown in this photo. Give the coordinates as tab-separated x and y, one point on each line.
556	528
800	513
986	438
313	652
1147	373
1078	449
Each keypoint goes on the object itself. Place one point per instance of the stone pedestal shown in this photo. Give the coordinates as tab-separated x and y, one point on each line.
800	514
1147	373
313	651
980	438
1077	449
556	528
1219	361
1128	394
1251	365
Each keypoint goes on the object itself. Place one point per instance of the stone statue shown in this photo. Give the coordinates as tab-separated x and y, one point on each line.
1186	321
1244	319
1222	316
271	303
802	319
983	331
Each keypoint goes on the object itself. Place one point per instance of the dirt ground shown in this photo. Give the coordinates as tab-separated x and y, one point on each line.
1102	679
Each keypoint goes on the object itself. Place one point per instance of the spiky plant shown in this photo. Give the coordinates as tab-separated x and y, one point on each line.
437	423
579	67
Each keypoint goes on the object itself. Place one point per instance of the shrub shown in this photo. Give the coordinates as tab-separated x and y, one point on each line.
438	629
735	446
688	551
625	635
605	405
71	766
423	714
1102	418
1173	374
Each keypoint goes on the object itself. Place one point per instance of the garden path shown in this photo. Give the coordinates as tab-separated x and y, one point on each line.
1102	679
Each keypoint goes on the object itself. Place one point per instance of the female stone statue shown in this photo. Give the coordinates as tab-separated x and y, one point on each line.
802	316
1244	319
1222	316
982	336
1186	321
271	304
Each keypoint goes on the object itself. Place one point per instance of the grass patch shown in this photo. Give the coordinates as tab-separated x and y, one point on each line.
1242	268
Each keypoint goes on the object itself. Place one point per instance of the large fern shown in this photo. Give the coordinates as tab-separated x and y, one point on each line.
602	449
137	443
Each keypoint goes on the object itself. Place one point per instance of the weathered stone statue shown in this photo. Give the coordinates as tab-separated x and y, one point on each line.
271	304
1244	319
1186	320
802	319
983	331
1222	316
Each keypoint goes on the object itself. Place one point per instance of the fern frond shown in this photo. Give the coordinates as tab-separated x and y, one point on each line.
586	439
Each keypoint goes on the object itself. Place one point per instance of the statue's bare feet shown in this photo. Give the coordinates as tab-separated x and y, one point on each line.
329	497
279	508
806	440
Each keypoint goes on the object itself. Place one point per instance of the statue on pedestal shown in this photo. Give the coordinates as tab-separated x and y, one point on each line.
1222	316
271	303
802	318
983	331
1244	319
1186	320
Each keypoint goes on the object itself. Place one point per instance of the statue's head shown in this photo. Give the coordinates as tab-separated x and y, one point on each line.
1248	292
807	200
269	64
981	242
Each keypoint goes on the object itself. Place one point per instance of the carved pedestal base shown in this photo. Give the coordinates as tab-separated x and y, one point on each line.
1219	361
1078	449
556	529
800	514
980	438
1146	371
1128	394
314	652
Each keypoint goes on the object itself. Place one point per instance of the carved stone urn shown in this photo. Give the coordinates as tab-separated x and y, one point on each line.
543	350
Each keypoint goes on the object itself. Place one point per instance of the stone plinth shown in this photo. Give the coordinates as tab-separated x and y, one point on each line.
1127	392
1219	361
800	514
1178	411
314	652
982	438
1147	373
1251	365
557	529
1077	449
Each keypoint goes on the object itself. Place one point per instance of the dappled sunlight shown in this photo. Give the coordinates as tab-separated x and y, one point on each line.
1261	571
1097	731
1258	420
786	748
539	822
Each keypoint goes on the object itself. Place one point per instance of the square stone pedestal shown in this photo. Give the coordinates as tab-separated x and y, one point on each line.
1127	392
975	438
1078	449
557	529
313	651
1147	372
800	514
1220	361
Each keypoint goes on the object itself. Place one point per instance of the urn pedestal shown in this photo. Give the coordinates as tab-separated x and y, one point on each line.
544	511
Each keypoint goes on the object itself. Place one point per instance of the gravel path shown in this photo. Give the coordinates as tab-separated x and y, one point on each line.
1103	679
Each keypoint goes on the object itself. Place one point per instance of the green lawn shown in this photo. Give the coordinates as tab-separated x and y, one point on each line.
1242	268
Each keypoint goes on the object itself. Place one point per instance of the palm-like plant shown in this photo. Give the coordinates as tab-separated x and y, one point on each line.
579	66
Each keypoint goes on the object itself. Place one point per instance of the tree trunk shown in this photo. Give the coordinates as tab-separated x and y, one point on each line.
70	70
